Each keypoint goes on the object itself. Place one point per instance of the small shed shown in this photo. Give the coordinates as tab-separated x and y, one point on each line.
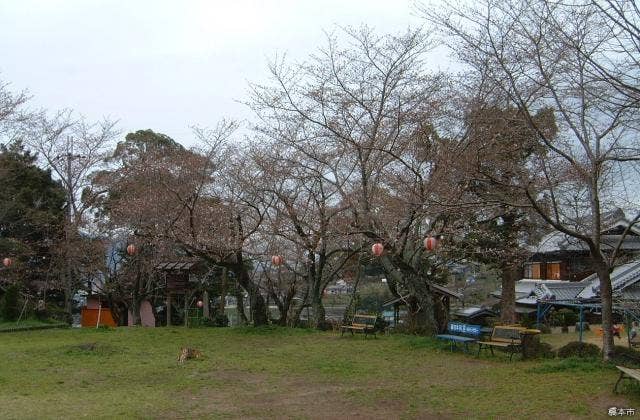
179	278
96	312
475	315
440	292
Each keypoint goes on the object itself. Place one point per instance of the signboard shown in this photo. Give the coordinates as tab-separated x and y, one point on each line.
466	329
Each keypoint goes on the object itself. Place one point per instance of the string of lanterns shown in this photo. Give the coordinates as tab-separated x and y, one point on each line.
430	244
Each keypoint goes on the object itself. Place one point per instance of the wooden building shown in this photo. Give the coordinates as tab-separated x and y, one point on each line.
96	312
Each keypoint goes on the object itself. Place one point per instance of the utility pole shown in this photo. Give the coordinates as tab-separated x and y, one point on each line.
69	223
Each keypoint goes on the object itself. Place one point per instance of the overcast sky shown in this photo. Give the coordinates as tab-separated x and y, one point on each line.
166	65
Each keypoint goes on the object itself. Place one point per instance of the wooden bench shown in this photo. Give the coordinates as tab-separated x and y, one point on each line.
365	324
458	332
626	373
508	338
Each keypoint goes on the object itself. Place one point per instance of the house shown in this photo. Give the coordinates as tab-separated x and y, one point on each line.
559	270
561	257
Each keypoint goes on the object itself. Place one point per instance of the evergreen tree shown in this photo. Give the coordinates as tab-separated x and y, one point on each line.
31	218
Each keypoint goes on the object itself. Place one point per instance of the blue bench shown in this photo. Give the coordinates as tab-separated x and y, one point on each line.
458	332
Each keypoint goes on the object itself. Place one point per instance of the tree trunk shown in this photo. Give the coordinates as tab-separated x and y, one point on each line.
242	316
508	296
223	291
607	310
296	311
136	302
205	305
350	310
168	309
258	310
258	306
319	315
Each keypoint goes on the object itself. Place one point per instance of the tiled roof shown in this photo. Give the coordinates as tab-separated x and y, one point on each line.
176	266
621	278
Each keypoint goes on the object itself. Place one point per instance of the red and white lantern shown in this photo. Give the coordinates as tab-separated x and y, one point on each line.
430	243
200	304
7	262
131	249
377	249
277	260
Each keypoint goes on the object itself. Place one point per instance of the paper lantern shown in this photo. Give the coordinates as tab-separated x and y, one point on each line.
377	249
430	243
131	249
277	260
200	304
7	262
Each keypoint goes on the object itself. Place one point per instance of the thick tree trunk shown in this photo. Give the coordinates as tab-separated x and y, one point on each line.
318	317
422	317
223	291
136	319
242	316
258	306
350	310
508	296
136	302
607	311
296	310
205	305
258	310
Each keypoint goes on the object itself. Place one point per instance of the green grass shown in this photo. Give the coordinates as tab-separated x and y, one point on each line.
26	324
276	372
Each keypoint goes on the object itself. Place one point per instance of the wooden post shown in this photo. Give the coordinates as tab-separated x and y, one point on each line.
205	305
186	309
168	309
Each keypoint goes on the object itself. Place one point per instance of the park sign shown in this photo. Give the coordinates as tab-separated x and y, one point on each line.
466	329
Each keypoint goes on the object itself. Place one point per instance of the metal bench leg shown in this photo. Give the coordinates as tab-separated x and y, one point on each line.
615	388
492	353
479	348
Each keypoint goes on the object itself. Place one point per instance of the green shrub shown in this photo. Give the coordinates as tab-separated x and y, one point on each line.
626	356
10	307
539	350
219	320
578	349
564	318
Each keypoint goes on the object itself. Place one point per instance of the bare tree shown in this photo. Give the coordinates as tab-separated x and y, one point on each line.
531	56
12	110
307	215
363	109
72	148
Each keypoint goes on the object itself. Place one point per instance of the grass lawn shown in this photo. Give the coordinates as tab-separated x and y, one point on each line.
25	323
249	373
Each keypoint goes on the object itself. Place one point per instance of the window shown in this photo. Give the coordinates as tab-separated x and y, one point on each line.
553	271
532	271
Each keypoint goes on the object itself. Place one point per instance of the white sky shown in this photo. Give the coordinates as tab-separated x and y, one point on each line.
166	65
